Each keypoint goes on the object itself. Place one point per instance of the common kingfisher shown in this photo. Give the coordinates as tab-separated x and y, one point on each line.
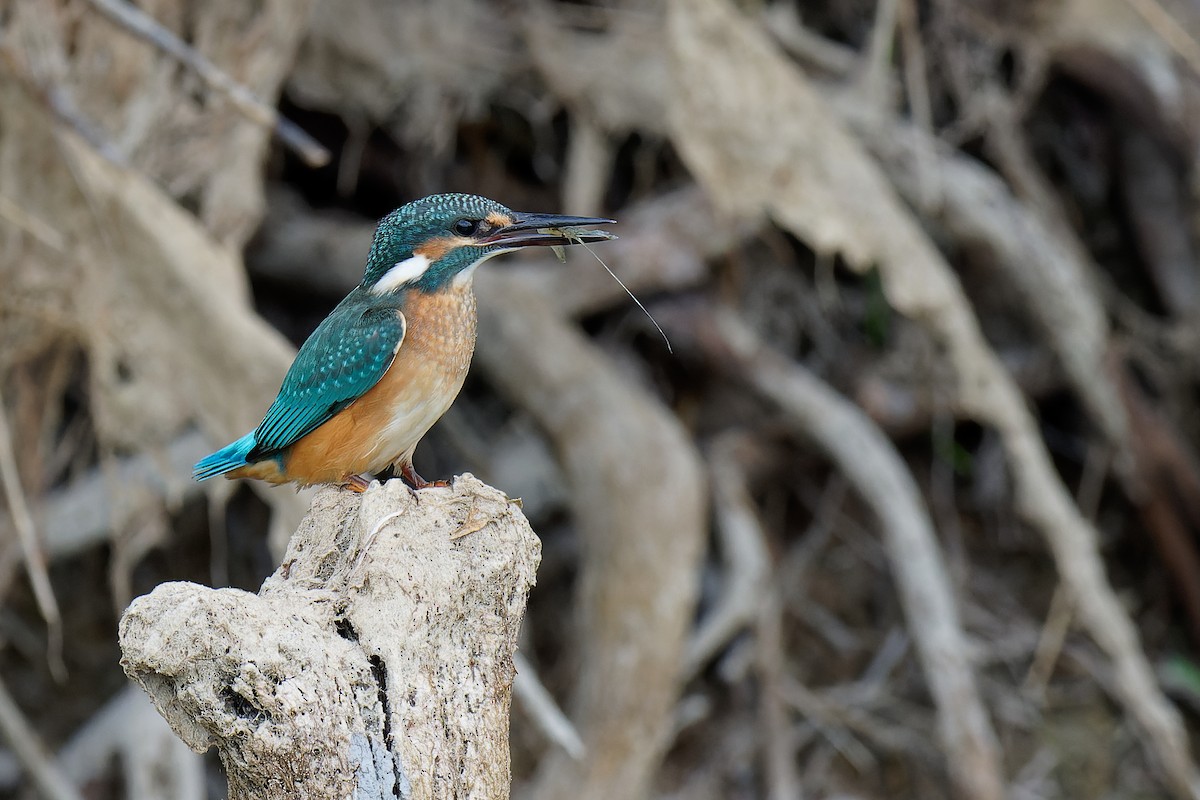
389	360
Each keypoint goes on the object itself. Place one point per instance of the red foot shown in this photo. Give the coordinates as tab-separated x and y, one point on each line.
357	484
416	481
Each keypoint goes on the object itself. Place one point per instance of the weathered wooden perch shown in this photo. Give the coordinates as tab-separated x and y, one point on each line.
375	663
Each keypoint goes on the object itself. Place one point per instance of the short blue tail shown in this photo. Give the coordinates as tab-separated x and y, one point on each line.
228	458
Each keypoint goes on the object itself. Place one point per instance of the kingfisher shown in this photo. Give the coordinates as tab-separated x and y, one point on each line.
389	360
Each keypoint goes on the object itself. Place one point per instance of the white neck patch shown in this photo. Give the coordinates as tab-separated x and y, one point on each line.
404	272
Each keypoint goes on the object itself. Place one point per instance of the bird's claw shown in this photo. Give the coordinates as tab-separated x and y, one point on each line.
417	482
357	484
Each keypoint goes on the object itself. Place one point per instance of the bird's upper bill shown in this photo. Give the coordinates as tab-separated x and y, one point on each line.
552	230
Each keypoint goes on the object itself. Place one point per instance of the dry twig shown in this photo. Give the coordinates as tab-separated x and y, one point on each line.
589	164
31	550
1174	34
1050	643
772	151
145	27
540	705
170	333
1045	261
753	596
744	551
778	740
153	763
85	512
875	74
49	780
871	463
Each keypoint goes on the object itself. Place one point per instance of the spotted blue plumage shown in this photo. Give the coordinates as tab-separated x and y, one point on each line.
343	358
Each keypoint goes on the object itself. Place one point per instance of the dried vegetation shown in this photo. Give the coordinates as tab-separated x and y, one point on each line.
911	511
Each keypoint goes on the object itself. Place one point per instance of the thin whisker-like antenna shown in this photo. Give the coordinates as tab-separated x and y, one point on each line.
632	296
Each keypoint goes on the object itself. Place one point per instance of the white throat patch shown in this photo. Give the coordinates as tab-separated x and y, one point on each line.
404	272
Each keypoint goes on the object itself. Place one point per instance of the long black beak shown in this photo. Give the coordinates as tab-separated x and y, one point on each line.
548	229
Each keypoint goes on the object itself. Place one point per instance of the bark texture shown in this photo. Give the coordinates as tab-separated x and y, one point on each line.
376	662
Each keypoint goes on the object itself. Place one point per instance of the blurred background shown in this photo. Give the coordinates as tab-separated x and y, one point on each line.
910	506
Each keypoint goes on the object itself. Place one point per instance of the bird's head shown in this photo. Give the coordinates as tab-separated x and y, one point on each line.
430	243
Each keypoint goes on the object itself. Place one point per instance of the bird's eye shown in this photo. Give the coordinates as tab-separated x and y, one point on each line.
466	227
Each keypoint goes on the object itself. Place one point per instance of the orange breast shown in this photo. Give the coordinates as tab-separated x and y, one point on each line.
384	425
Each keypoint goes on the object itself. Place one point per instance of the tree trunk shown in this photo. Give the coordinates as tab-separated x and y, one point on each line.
375	663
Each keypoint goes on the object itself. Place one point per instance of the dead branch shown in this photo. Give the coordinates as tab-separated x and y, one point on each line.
1050	643
744	551
137	22
31	548
172	336
817	53
1136	53
324	252
546	714
51	783
153	763
368	58
135	105
1157	201
589	164
376	661
774	150
593	73
1166	489
84	513
1171	31
878	473
641	551
875	71
839	719
776	734
1046	263
752	597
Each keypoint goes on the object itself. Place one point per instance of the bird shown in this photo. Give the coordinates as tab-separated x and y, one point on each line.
389	360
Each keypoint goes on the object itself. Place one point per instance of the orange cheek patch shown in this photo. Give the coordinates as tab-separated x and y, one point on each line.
498	220
435	249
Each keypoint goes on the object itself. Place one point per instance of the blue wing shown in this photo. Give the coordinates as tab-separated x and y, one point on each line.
344	357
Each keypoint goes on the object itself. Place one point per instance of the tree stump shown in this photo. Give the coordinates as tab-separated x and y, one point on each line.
375	663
